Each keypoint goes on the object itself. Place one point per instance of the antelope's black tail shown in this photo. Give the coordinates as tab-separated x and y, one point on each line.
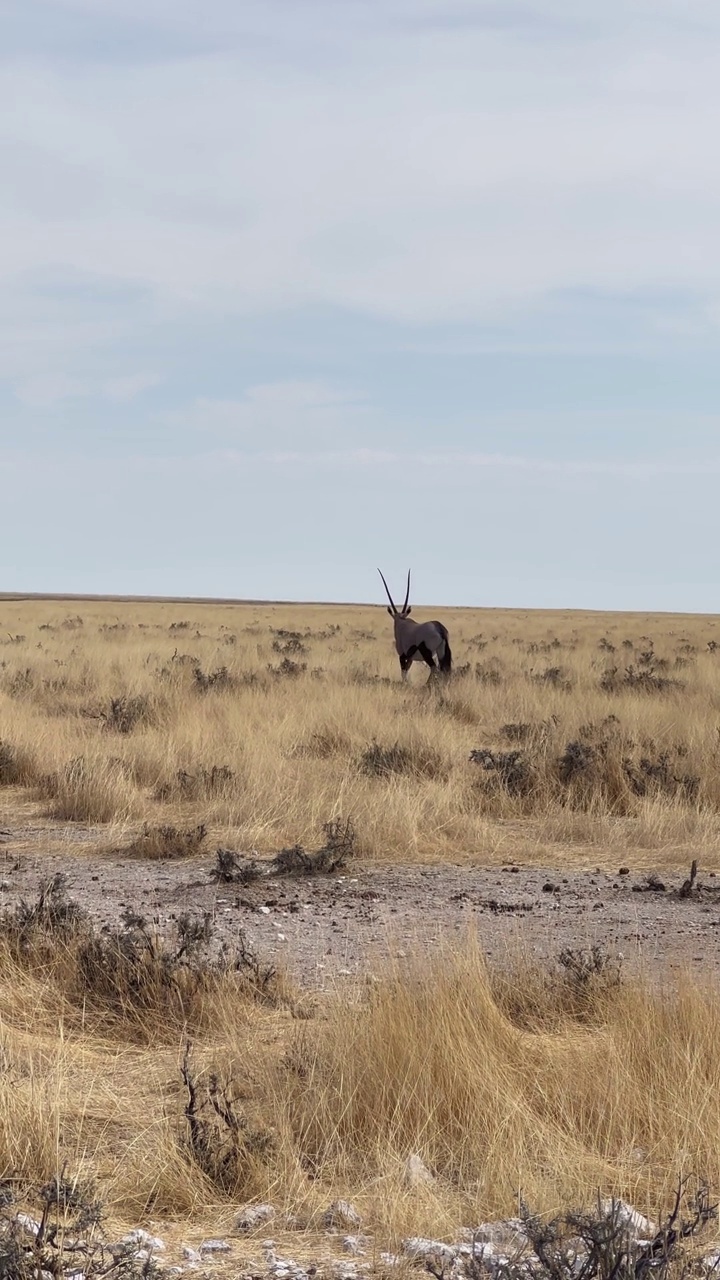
445	655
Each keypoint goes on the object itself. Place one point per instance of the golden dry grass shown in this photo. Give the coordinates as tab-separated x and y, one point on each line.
501	1084
615	1089
121	713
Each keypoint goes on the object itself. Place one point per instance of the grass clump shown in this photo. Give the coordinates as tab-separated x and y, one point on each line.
88	789
494	1089
15	765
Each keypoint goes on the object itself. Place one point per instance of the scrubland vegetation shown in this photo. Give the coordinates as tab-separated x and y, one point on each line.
177	1086
260	723
175	1081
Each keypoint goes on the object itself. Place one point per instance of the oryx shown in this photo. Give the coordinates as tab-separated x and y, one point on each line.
414	640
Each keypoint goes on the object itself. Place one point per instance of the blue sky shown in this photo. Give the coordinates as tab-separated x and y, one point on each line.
294	288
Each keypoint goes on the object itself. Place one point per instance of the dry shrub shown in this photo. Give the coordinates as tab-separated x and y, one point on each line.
19	683
131	979
417	759
287	669
339	847
602	769
289	642
579	987
218	680
555	677
228	1149
641	679
70	1214
126	713
509	771
487	673
165	841
604	1243
229	870
201	785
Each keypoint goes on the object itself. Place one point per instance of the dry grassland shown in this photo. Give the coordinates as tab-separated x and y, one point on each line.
595	731
550	1084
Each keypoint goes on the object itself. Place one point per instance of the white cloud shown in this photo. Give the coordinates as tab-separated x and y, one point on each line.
129	386
420	172
48	389
300	413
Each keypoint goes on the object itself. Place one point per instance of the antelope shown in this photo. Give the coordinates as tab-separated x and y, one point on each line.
414	640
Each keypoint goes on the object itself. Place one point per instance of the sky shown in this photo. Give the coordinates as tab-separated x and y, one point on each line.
290	289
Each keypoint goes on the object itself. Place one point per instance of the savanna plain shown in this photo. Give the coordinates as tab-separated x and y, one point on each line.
168	1067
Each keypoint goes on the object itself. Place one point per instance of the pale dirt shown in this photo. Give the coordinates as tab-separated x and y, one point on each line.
330	929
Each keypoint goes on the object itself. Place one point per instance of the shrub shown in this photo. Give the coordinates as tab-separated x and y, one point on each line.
132	974
486	673
288	669
338	848
511	771
217	680
644	679
221	1141
127	712
384	761
289	642
167	842
196	786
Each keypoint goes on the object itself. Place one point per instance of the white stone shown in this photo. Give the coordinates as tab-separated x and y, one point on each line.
421	1247
143	1238
507	1234
629	1217
253	1215
265	911
341	1214
344	1270
214	1246
416	1172
28	1224
355	1244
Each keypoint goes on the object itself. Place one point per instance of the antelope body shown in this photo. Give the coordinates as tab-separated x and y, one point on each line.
418	640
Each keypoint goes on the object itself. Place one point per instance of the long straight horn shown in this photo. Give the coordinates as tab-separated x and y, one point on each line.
407	593
392	602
